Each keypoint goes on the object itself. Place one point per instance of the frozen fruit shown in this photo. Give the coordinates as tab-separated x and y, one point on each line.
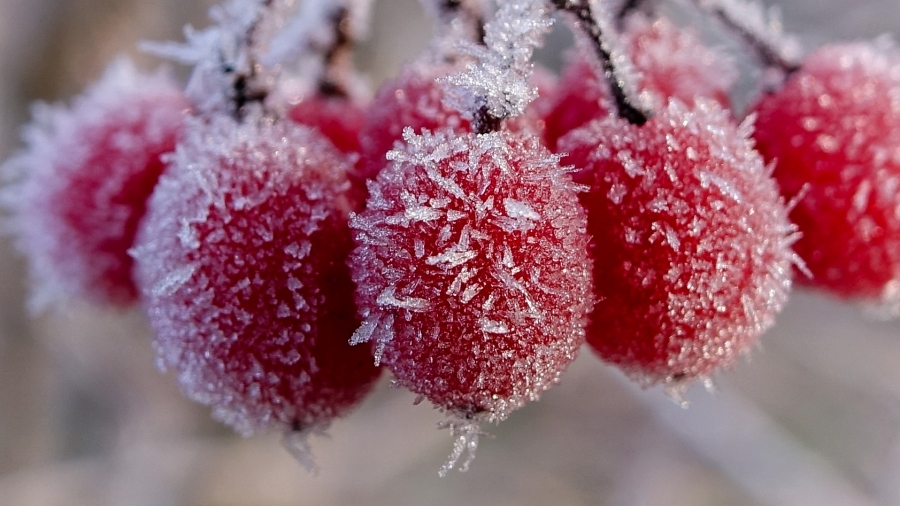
690	241
242	260
472	270
833	132
83	181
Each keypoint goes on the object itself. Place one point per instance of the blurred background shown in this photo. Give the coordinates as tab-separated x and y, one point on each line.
812	418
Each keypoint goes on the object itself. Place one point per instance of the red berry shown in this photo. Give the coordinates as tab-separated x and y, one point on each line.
833	131
85	177
338	118
472	270
242	262
669	62
689	237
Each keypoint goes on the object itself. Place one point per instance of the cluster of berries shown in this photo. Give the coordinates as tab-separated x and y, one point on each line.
473	224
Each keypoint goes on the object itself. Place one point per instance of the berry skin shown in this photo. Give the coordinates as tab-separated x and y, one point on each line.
83	182
833	132
472	268
242	263
338	118
689	237
669	63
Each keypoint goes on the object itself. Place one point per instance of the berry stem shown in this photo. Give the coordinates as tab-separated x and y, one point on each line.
245	90
470	11
629	6
337	57
764	45
584	19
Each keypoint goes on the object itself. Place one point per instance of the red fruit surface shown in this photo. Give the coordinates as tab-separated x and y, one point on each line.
338	118
242	260
472	270
84	179
414	99
690	241
668	62
833	131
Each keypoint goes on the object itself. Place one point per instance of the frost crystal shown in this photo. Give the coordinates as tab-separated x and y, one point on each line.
255	315
500	80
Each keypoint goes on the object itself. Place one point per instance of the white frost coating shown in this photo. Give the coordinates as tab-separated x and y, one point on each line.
466	433
516	209
499	81
173	281
221	53
388	298
494	327
451	258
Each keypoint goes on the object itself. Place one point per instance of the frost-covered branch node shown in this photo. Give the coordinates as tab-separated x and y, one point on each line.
497	86
587	17
228	75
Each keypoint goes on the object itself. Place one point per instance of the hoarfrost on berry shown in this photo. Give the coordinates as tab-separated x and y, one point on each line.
690	241
472	270
242	263
833	132
82	183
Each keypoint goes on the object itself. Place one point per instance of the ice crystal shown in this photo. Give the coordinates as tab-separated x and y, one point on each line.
499	81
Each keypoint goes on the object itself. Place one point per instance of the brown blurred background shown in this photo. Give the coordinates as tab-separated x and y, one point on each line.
85	419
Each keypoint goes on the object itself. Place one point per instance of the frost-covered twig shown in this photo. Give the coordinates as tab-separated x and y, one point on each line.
760	28
226	56
497	86
319	40
590	17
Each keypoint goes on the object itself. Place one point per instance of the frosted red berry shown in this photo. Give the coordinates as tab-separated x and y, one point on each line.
690	241
669	62
472	270
833	132
83	182
242	260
